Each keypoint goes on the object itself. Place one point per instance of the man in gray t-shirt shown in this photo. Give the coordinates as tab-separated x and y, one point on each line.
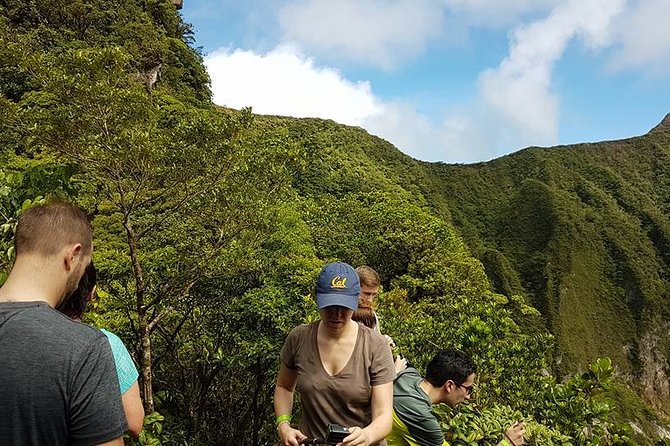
58	383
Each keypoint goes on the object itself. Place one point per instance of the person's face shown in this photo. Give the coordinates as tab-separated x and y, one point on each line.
336	317
367	296
457	393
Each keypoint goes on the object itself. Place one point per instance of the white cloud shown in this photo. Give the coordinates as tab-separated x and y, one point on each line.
284	82
461	136
385	33
516	104
644	37
400	123
494	13
519	90
376	32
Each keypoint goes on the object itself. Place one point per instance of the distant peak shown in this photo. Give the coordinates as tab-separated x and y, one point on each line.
663	126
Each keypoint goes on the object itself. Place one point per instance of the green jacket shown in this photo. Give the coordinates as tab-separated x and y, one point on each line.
413	421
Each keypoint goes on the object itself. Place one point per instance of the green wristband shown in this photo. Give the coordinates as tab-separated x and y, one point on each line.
281	418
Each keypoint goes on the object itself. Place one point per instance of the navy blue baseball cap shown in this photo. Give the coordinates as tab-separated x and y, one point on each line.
338	284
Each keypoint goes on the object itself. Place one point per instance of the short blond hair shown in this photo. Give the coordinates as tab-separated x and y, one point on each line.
46	229
368	276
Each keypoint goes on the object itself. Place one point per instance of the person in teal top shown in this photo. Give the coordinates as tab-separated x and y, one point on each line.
125	367
74	307
450	378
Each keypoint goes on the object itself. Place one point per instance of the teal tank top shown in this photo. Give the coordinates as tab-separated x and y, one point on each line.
125	368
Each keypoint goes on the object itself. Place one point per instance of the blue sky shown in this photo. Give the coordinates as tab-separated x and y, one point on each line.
458	81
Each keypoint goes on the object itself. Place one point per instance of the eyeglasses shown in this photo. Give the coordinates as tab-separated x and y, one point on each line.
468	389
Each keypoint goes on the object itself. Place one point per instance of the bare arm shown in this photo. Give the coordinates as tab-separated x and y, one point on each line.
283	404
382	418
132	406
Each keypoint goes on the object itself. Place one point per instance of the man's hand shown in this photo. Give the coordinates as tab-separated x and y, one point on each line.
400	364
289	436
389	339
515	434
357	436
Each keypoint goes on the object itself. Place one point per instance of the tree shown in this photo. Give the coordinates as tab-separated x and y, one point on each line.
179	183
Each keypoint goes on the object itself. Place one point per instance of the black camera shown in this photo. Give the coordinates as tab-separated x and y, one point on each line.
336	433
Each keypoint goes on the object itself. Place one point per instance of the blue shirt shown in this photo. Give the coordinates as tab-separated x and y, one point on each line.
125	368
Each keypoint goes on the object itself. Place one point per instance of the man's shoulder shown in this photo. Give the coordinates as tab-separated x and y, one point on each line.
409	375
412	410
407	393
37	320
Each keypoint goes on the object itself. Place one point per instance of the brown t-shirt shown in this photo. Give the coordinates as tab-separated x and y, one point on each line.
344	398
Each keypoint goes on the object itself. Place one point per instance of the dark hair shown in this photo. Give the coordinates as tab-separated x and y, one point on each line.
365	316
46	229
448	365
75	304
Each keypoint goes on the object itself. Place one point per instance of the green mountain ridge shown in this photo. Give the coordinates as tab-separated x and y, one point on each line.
585	228
581	230
211	225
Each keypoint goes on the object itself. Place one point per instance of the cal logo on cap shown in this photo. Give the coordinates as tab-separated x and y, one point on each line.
338	282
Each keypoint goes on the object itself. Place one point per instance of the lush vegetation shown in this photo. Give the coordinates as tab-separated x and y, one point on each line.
583	232
211	225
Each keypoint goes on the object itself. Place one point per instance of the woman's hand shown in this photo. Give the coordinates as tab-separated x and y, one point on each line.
357	436
289	436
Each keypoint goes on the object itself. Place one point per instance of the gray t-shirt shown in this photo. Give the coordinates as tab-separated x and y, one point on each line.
58	383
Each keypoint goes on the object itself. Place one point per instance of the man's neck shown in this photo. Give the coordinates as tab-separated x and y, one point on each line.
432	392
32	279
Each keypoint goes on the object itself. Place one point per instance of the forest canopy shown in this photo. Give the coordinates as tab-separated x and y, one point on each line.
211	225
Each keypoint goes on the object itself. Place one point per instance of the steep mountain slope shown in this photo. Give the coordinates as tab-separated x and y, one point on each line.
581	231
584	232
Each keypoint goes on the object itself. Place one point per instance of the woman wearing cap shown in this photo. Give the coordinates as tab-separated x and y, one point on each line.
343	370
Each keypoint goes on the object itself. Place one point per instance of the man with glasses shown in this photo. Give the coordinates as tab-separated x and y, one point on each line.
450	378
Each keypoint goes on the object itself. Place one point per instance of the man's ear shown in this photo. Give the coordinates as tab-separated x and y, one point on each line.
71	253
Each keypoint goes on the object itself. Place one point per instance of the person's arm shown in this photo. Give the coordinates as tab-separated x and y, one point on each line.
132	406
283	405
130	390
382	418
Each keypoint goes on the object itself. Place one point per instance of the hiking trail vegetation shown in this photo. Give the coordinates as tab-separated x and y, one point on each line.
548	266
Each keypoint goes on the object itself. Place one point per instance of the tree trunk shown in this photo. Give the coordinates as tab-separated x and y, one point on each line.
145	366
144	330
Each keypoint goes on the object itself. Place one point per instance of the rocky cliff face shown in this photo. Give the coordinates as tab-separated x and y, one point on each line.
655	376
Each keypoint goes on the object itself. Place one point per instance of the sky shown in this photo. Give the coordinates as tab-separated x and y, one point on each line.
458	81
